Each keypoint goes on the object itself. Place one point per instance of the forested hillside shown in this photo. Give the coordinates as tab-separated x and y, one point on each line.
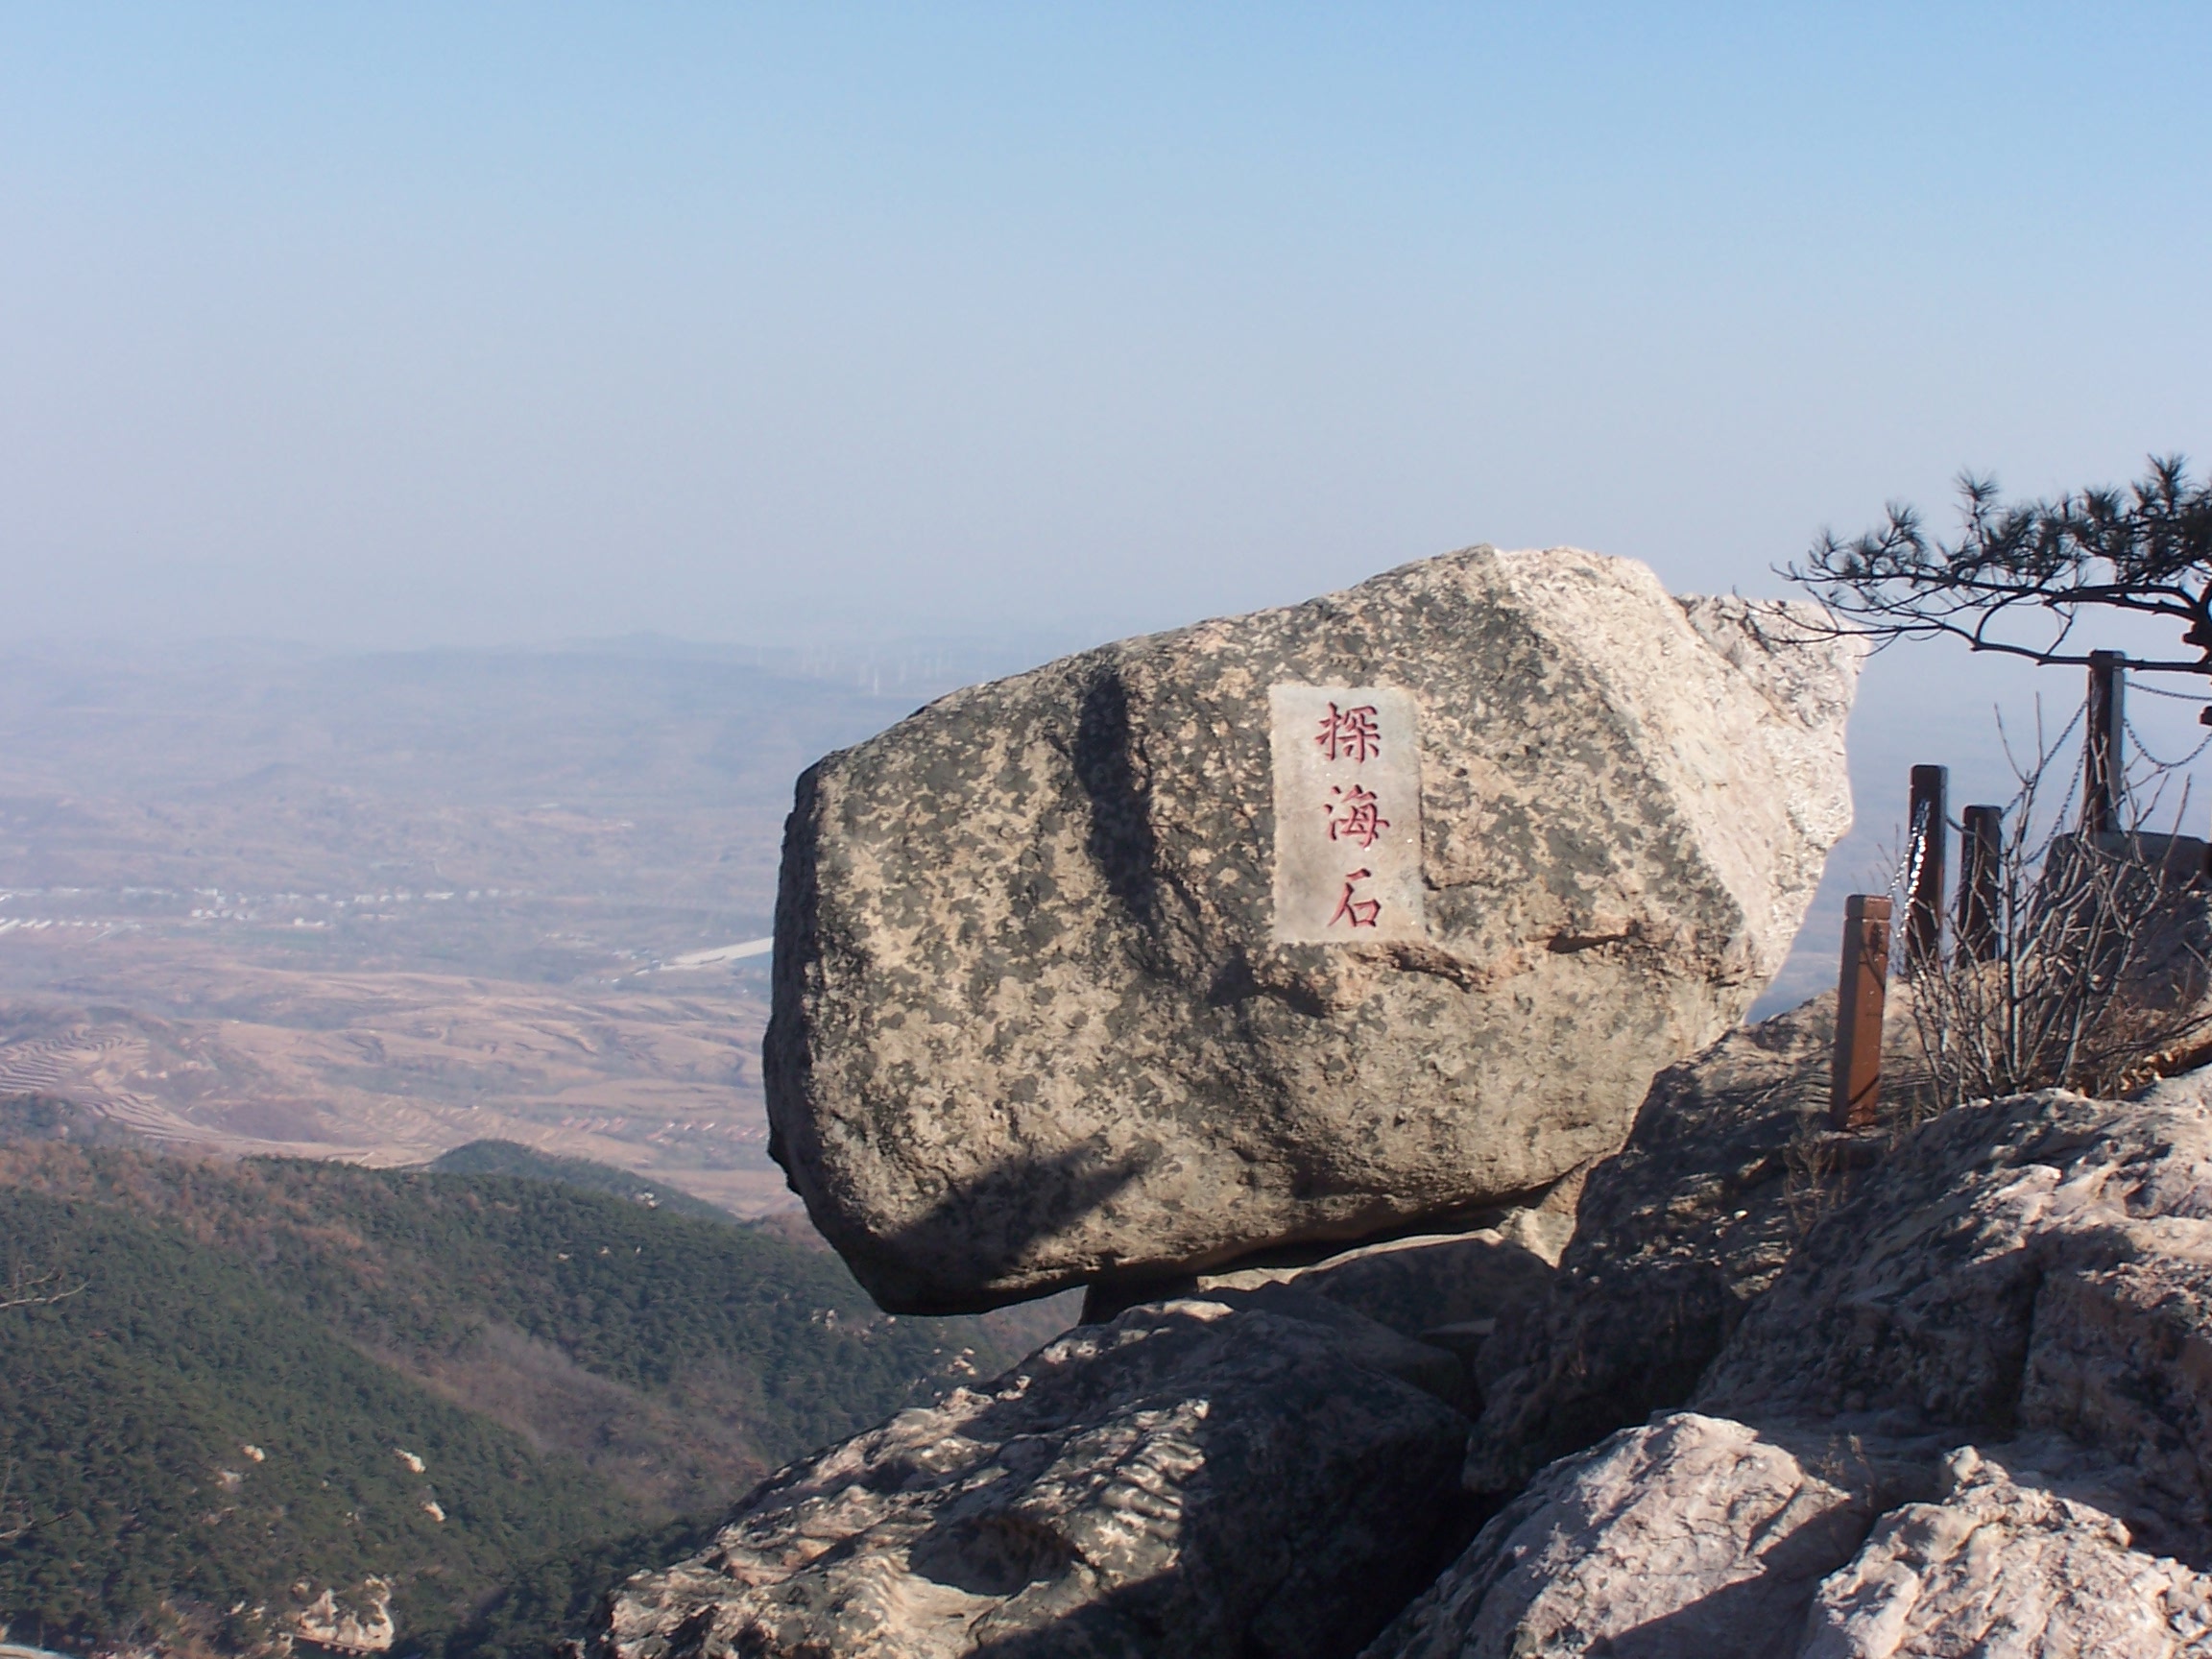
508	1158
223	1413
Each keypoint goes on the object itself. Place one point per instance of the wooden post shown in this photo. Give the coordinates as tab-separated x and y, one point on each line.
1855	1087
2103	766
1981	852
1926	848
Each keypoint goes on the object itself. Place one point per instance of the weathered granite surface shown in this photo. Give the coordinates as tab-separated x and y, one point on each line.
2025	1284
1696	1537
2040	1264
1692	1538
1262	1474
1032	1023
1674	1237
2005	1566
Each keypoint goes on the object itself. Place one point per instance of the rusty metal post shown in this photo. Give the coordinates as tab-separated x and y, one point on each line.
1981	852
1926	848
2103	766
1855	1087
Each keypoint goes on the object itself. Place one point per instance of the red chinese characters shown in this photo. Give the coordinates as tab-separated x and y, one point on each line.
1346	763
1359	913
1354	734
1355	816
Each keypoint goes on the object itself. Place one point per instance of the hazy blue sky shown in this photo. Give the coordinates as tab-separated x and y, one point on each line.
501	322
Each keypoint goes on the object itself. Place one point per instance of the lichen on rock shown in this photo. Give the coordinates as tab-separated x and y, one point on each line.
1034	1022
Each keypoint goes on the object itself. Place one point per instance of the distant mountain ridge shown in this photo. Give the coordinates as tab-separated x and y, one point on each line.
511	1158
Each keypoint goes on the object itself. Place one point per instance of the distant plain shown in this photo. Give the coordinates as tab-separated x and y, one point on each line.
256	899
261	899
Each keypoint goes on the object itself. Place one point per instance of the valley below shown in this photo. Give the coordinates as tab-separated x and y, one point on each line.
184	1045
389	1247
373	907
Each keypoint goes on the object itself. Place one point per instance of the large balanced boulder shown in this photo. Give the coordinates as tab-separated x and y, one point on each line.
1259	1473
1354	918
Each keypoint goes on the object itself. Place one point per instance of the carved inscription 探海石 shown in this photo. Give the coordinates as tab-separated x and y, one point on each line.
1347	762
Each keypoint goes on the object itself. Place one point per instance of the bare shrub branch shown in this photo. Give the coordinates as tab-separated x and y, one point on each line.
2099	978
15	1517
28	1289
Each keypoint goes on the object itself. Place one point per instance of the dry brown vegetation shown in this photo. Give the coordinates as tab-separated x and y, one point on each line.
2094	974
395	1068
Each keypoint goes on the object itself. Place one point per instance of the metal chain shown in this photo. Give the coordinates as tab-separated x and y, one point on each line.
1916	854
2161	691
2144	749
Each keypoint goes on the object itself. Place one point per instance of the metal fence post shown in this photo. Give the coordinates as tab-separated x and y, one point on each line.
1855	1087
1981	852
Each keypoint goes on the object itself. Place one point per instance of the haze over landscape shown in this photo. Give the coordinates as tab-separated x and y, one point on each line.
984	334
490	325
459	465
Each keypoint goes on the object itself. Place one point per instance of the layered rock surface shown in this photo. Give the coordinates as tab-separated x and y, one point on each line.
1693	1537
1700	1538
2041	1265
1041	1014
1947	1394
1969	1364
2000	1565
1260	1474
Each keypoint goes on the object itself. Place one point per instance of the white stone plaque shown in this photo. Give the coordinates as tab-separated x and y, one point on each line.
1347	815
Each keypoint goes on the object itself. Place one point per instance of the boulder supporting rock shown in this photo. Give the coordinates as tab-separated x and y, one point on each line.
1262	1474
1674	1237
1416	1285
1047	1013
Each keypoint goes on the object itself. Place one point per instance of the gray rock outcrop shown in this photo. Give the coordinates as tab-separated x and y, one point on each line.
2036	1266
1674	1237
1692	1538
361	1624
1999	1567
1058	992
1696	1537
1968	1412
1262	1474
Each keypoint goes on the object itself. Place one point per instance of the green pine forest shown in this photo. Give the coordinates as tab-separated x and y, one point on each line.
222	1416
